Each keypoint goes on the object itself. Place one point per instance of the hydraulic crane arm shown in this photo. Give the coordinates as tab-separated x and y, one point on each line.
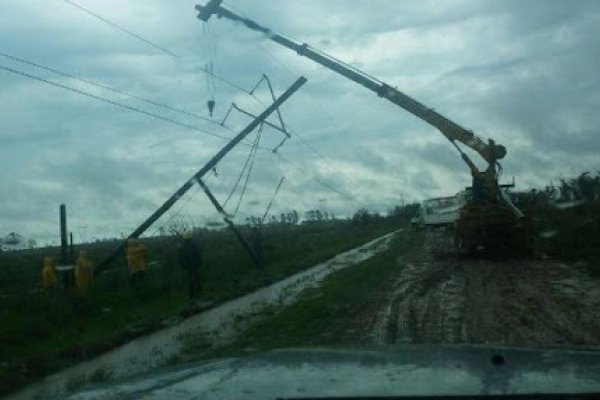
490	151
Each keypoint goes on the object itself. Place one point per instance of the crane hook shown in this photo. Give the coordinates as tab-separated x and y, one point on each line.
211	107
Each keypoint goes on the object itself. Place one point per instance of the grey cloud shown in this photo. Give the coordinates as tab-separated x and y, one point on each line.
521	72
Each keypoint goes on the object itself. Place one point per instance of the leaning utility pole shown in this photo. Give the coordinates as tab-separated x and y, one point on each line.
206	168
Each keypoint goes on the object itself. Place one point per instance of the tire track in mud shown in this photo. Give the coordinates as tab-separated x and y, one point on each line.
438	298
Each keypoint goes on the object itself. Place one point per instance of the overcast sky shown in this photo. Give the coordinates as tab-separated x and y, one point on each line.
523	72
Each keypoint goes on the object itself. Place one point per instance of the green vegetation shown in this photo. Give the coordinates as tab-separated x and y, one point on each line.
567	220
46	330
321	314
100	375
75	382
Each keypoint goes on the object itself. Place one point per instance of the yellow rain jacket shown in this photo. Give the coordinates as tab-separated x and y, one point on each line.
136	256
48	273
83	272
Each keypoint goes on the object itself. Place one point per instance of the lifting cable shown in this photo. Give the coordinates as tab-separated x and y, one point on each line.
209	67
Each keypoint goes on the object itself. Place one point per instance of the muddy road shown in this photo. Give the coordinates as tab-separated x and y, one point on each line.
437	298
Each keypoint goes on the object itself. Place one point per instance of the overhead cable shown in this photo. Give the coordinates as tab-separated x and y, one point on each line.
156	46
166	51
256	142
241	175
294	132
125	30
106	87
115	103
316	179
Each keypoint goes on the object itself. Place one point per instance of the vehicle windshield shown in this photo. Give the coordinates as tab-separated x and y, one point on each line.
192	180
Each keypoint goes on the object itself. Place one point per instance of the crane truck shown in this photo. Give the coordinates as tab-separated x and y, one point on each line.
489	220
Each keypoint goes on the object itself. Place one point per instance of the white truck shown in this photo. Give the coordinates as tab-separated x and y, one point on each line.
439	211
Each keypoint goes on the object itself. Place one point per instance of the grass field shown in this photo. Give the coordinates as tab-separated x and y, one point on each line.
314	319
46	330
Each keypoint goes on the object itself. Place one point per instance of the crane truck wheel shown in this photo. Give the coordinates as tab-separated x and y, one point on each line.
461	244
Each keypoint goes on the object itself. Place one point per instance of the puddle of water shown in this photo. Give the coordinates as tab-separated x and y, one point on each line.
154	350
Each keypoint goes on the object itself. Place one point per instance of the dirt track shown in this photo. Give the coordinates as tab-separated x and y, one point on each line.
438	298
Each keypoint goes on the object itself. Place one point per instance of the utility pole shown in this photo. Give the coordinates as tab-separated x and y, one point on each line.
71	248
206	168
64	240
65	266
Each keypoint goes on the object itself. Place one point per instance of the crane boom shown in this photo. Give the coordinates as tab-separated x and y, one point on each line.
489	151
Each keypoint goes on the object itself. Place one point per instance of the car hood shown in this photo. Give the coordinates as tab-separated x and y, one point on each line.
384	371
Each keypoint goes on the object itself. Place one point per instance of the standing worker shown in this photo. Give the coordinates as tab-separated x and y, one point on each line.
83	272
190	259
48	273
257	245
136	260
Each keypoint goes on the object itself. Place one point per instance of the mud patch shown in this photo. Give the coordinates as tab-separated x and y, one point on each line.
437	298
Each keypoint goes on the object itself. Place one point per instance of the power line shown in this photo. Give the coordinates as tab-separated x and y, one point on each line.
106	87
239	178
239	203
316	179
226	81
125	30
293	131
128	107
115	103
156	46
205	70
317	153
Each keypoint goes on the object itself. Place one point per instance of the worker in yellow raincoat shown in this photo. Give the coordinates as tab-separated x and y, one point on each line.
48	273
136	260
83	272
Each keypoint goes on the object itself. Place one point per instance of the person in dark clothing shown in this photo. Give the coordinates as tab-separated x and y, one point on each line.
257	243
190	259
